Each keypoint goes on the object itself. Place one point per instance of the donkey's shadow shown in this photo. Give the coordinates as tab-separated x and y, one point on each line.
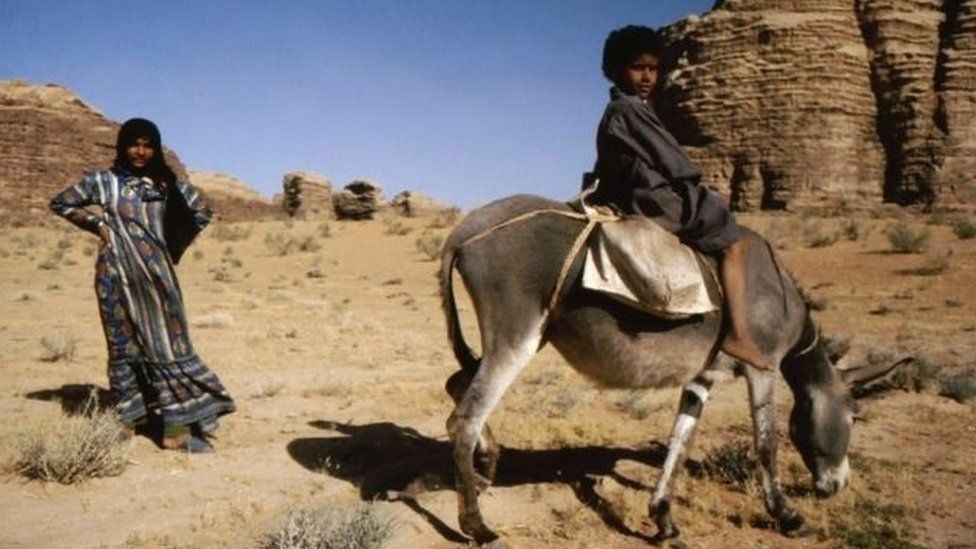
388	462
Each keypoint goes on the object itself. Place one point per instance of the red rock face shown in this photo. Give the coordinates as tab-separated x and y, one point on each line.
796	104
48	139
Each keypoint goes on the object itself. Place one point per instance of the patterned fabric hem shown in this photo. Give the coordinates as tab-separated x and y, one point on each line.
181	392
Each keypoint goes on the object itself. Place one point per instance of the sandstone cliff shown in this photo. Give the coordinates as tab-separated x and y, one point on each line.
231	199
799	104
49	138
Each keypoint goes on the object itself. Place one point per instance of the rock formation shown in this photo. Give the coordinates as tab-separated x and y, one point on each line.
48	139
231	199
413	203
791	103
305	194
357	200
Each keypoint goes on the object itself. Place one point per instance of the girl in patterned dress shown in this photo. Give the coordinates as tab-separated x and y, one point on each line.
145	219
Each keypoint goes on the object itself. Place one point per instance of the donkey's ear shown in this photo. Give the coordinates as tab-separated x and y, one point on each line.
858	379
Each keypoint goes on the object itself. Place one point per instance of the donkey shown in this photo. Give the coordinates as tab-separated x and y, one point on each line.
510	268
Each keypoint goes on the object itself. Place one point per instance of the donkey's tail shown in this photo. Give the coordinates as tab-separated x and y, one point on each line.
464	355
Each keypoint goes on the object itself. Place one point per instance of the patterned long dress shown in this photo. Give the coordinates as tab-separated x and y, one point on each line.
152	367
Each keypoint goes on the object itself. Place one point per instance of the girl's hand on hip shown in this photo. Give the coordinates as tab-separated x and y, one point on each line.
105	234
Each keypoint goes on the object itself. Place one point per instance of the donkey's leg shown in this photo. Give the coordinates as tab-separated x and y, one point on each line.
763	403
487	450
693	399
503	359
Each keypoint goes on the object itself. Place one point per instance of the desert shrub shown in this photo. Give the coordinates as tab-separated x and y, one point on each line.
812	303
934	265
362	528
918	376
281	244
964	229
53	260
218	319
445	218
728	464
394	226
59	346
430	245
324	229
308	244
317	270
636	404
835	347
850	229
26	295
815	236
960	386
872	526
231	232
905	239
221	274
269	390
71	449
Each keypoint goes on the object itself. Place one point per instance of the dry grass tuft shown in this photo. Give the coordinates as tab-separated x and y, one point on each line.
869	525
729	464
72	449
58	347
281	244
815	236
445	218
217	319
231	232
362	528
324	229
960	386
430	245
907	240
964	229
394	226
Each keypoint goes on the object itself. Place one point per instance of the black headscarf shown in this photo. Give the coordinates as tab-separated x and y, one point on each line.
157	169
179	227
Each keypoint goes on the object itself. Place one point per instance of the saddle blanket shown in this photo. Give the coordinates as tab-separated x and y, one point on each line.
639	263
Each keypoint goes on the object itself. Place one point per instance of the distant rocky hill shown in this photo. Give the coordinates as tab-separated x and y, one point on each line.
798	104
48	139
231	198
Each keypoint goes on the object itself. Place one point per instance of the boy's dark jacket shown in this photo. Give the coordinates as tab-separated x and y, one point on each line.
641	167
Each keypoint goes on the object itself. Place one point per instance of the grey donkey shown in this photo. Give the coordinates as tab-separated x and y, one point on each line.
510	273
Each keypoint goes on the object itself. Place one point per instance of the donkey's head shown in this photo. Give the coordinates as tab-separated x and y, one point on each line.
824	411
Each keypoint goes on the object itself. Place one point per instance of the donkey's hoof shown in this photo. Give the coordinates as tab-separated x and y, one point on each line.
791	524
473	526
481	483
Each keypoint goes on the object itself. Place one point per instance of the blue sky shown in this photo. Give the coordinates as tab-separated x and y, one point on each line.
465	101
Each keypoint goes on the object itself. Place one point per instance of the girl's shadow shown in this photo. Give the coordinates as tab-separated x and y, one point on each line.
389	462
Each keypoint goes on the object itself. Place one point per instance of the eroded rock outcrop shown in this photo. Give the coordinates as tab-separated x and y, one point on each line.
48	139
232	200
358	200
305	194
791	103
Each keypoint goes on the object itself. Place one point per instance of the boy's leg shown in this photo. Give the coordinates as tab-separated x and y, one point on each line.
738	340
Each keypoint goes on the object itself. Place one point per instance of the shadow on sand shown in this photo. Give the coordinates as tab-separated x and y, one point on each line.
389	462
73	397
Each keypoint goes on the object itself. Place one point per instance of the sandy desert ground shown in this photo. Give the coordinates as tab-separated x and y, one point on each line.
336	355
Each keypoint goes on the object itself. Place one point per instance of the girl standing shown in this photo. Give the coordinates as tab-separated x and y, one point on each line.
147	219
